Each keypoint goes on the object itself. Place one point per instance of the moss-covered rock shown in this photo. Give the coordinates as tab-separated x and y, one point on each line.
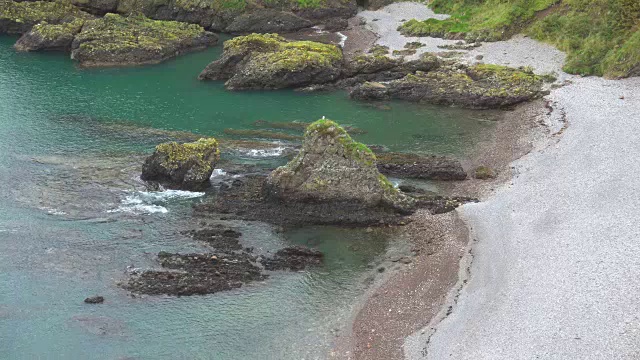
185	166
269	61
332	167
484	172
45	36
479	86
115	40
20	17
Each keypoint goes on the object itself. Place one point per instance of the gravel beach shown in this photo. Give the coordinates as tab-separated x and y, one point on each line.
553	262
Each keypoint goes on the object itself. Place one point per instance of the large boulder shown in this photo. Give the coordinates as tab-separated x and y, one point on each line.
269	61
45	36
184	166
267	21
479	86
333	168
20	17
116	40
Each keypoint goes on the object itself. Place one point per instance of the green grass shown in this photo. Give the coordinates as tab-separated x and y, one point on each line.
601	37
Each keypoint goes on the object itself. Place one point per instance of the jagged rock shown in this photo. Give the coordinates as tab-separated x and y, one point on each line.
332	167
94	300
20	17
196	274
420	167
115	40
97	7
480	86
294	258
267	21
268	61
44	36
185	166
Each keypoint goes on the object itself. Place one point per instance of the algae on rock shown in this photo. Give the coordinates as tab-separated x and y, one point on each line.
115	40
185	166
20	17
45	36
269	61
332	167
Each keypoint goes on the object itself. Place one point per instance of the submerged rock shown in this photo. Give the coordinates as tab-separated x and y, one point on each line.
269	61
20	17
184	166
332	167
294	258
196	274
45	36
479	86
115	40
94	300
406	165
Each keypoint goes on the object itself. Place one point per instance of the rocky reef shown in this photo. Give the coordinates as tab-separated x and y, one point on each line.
414	166
478	86
20	17
332	167
115	40
269	61
45	36
183	166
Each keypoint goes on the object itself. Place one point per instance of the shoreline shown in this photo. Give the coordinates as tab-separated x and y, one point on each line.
395	301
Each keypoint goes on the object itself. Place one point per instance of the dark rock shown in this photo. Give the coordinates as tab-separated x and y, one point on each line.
219	237
294	258
479	86
97	7
94	300
406	165
196	274
266	21
184	166
336	24
53	37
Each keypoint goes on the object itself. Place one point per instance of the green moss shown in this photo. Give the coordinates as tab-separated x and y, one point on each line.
413	45
301	125
357	150
53	12
272	52
379	50
118	34
404	52
198	151
55	31
386	184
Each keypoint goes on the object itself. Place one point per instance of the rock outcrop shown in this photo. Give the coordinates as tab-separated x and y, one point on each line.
333	168
20	17
406	165
479	86
45	36
185	166
268	61
115	40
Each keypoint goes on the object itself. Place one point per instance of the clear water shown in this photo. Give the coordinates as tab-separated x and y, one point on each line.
73	214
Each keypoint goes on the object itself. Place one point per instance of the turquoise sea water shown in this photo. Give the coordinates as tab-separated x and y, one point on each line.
73	214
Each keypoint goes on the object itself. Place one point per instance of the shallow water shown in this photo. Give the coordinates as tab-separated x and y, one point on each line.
74	215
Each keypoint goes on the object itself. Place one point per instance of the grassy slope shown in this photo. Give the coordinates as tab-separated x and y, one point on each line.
601	37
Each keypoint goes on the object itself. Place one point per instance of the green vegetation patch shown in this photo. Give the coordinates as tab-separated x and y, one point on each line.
118	34
601	37
271	52
30	13
198	151
330	128
52	32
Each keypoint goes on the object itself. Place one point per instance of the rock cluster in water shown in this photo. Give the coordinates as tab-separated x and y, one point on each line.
332	167
269	61
184	166
229	267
